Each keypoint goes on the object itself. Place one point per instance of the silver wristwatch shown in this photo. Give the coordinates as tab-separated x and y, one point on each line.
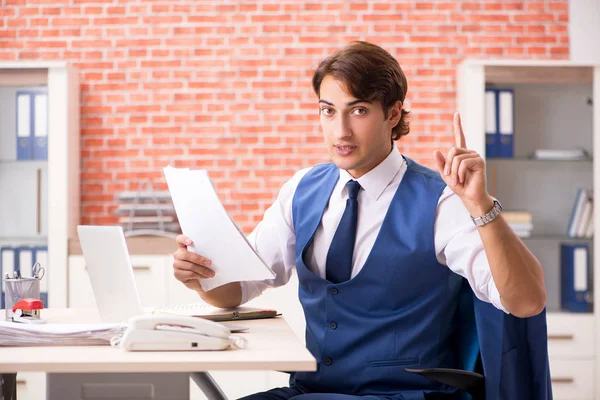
490	216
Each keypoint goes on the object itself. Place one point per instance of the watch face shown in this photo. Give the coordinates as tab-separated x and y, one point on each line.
498	204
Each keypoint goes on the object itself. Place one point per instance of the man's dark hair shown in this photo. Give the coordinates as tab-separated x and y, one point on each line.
369	73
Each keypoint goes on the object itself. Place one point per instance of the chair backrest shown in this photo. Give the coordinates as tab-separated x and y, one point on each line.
514	353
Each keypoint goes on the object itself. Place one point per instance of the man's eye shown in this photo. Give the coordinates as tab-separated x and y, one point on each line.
359	111
326	111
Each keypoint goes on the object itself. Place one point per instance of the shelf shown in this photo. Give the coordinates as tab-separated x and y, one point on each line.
528	159
23	161
556	237
559	312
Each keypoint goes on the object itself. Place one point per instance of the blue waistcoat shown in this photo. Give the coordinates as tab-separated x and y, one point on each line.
395	313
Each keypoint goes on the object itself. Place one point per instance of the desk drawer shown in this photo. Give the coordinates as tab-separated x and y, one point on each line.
571	335
572	379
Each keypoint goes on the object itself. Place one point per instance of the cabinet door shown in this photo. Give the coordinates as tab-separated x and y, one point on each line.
81	294
572	379
149	276
31	385
571	336
24	199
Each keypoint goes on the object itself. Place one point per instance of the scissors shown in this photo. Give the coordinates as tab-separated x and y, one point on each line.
38	271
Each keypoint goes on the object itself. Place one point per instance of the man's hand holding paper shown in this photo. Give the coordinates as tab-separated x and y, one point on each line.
216	245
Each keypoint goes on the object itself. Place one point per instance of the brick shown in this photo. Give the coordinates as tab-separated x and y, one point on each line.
69	21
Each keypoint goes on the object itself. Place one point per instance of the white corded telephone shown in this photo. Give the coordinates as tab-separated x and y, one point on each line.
173	332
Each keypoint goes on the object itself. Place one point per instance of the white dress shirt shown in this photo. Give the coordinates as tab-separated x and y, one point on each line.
456	239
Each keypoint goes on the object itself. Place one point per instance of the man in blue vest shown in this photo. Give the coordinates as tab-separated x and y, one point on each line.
380	243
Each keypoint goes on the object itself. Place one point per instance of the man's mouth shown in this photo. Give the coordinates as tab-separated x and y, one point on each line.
344	150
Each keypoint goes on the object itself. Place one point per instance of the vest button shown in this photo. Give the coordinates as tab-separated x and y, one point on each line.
333	325
328	361
334	291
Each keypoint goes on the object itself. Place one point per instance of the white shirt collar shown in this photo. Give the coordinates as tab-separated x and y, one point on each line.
376	180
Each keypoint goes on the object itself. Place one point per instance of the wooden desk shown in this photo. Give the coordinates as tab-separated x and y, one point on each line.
271	346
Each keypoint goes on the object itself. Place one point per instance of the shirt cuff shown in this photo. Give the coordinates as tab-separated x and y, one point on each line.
250	290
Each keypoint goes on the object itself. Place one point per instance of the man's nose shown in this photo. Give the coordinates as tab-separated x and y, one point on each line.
342	128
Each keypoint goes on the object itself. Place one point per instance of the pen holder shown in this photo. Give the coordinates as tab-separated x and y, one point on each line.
18	289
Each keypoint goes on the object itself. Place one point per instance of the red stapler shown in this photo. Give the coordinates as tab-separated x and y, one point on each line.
28	311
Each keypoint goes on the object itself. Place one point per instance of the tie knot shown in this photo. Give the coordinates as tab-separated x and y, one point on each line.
353	188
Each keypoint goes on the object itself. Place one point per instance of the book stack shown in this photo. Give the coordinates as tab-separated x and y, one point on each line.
581	223
520	221
147	212
560	155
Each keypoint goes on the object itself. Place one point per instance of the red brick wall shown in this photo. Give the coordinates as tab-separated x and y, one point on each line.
225	85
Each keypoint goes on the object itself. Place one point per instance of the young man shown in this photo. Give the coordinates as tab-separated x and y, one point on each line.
379	242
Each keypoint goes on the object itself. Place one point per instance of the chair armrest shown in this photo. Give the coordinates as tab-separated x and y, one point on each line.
470	382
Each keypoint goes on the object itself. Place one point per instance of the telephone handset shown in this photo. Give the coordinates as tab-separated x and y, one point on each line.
174	332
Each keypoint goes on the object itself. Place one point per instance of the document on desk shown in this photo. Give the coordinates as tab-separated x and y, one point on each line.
215	236
206	311
18	334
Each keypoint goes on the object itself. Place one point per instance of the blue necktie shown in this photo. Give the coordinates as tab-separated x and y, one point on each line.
339	258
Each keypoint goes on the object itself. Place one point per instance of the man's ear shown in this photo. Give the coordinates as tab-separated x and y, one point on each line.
395	113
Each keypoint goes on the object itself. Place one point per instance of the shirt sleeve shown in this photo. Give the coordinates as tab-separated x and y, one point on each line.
458	245
274	239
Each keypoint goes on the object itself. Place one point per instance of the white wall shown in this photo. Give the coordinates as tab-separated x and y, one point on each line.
584	30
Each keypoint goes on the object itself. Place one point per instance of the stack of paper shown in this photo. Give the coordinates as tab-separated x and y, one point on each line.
18	334
214	235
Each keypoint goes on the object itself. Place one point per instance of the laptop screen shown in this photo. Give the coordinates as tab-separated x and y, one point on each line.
111	275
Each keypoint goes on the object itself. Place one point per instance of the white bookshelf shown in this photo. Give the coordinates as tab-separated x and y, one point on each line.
552	110
54	194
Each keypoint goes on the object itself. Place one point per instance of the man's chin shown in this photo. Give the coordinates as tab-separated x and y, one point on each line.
344	164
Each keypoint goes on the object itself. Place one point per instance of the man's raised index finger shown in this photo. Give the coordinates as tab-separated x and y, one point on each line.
458	132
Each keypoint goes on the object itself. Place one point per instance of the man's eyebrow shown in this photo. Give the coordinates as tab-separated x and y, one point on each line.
349	104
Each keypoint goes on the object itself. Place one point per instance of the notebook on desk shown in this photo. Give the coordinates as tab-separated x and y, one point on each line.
204	310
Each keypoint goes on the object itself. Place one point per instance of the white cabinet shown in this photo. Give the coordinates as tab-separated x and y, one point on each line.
39	196
555	107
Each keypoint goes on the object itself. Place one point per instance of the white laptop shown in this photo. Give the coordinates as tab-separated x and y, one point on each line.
111	274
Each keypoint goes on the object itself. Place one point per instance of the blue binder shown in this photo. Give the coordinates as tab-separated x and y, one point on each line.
32	124
8	258
506	122
24	260
40	126
491	123
24	120
40	255
576	279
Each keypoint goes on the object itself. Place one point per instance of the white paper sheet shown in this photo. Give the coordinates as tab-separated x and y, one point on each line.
215	236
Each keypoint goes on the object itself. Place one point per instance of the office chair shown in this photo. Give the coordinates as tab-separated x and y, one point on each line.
512	351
